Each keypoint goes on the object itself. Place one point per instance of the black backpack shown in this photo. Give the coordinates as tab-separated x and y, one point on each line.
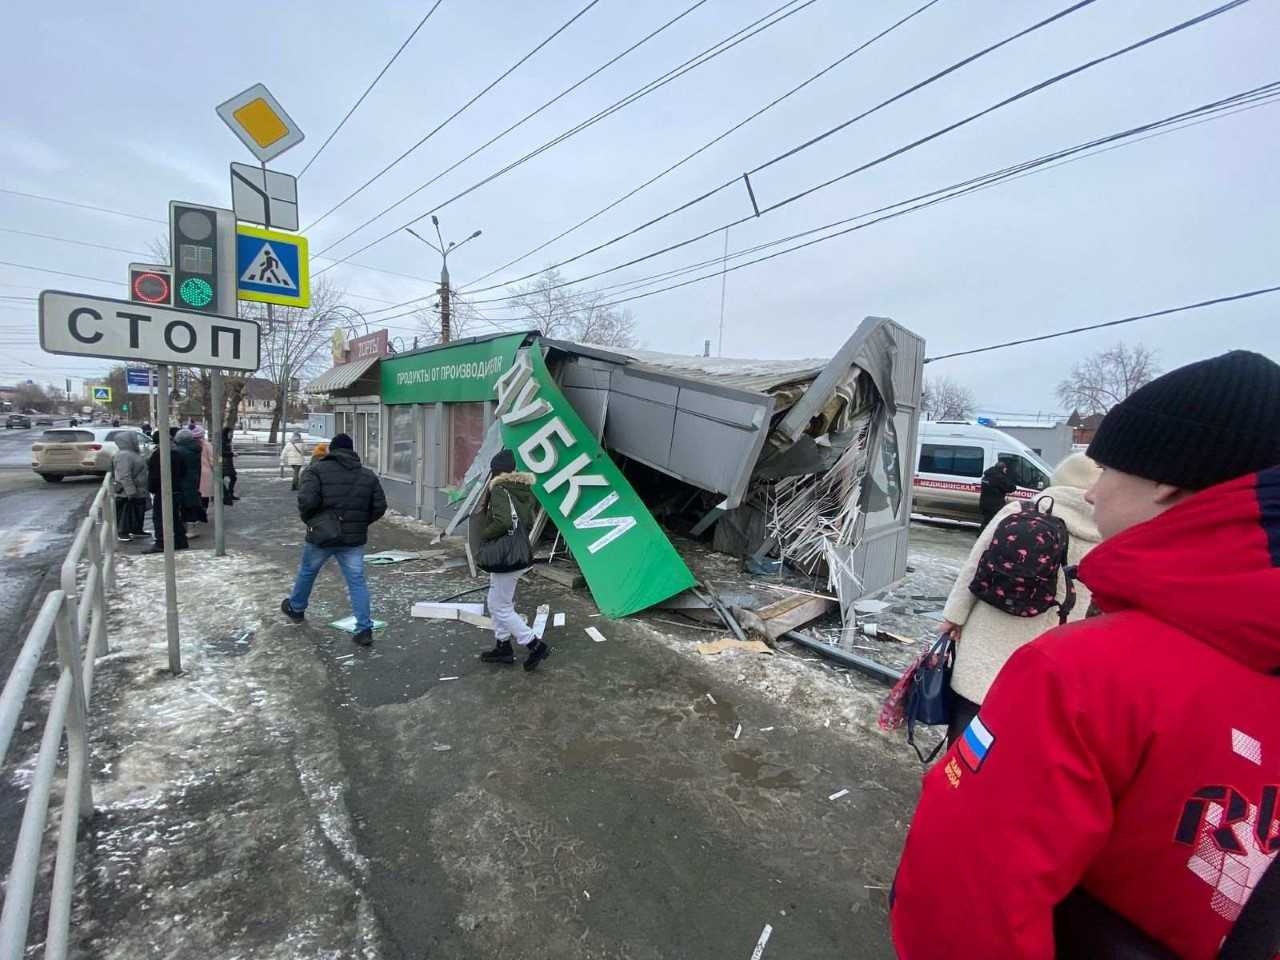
1018	572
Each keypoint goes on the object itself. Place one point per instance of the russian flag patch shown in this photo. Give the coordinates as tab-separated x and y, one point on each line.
974	745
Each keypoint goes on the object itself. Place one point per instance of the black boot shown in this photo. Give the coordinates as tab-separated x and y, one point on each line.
501	653
292	614
538	651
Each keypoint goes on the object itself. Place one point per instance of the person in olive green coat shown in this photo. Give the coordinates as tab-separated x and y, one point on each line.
510	493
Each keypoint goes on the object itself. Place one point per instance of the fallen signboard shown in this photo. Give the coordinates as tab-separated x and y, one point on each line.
81	325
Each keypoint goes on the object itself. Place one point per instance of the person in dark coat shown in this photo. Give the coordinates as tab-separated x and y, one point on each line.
510	491
228	469
997	484
337	485
188	448
177	465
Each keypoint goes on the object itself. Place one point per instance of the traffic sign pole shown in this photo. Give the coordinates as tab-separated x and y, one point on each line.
168	519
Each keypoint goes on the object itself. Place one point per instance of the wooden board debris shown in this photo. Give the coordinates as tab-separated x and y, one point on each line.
563	574
713	647
785	615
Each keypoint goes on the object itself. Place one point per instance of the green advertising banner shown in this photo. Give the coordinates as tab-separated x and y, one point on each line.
466	372
628	561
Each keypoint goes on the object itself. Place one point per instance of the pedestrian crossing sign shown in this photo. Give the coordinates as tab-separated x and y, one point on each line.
271	267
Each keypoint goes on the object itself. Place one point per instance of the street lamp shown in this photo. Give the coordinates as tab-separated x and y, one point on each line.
444	250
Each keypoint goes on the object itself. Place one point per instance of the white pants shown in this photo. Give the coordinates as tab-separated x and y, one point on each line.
507	624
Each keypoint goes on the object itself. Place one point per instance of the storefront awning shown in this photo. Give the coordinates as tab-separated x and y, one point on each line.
342	376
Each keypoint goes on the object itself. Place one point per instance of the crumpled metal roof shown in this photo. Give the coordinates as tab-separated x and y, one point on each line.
341	377
759	376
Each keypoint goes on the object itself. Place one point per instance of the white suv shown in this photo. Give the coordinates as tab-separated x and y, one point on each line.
80	451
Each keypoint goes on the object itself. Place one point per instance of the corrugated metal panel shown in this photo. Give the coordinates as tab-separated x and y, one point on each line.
341	377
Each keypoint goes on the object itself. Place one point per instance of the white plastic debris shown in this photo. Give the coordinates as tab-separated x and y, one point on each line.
558	620
428	610
448	678
737	733
765	934
712	699
595	634
765	729
838	794
540	620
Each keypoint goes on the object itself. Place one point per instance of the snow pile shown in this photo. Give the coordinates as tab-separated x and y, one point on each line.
222	827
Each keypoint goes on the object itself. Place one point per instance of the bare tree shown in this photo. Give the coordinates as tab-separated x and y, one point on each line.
945	399
295	342
571	314
1098	382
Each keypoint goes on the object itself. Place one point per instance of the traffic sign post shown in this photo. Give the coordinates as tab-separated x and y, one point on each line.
272	267
101	394
264	196
257	118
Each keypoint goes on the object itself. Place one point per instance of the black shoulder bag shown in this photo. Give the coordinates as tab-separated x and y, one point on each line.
509	552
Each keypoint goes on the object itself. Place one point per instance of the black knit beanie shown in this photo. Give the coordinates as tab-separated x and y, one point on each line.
342	441
504	461
1200	425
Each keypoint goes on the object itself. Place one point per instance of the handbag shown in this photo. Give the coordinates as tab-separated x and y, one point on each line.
509	552
922	694
324	529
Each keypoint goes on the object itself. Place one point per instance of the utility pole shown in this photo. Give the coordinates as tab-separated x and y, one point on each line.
444	251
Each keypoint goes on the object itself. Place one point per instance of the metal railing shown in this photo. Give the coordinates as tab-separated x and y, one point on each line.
77	618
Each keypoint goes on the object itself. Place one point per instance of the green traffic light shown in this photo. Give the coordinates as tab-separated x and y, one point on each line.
196	292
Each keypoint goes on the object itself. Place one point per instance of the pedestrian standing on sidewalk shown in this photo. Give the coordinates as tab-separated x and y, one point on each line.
228	469
510	494
1119	786
188	449
997	484
338	500
177	466
294	456
206	468
130	472
990	635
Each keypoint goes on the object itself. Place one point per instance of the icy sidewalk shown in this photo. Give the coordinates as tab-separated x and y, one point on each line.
222	829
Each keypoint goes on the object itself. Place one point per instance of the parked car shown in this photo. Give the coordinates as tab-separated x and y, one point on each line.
82	451
951	458
17	421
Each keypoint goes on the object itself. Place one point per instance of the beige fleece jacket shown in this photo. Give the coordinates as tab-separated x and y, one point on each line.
990	636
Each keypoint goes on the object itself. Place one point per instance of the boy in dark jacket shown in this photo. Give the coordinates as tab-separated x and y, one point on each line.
1127	764
339	486
509	493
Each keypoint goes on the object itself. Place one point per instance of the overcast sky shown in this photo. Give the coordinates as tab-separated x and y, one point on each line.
113	105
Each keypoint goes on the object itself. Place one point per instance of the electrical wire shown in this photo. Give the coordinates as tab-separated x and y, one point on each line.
61	273
675	73
1231	298
710	143
82	206
367	90
737	178
1258	96
529	116
78	243
1028	91
440	126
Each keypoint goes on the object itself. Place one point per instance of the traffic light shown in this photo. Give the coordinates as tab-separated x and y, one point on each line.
150	284
202	241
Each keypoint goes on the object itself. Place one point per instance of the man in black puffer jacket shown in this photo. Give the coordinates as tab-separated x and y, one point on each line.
338	500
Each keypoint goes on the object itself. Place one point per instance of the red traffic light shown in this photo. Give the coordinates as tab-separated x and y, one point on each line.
150	287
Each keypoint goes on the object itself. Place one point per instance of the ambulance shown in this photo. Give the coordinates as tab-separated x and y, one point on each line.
951	457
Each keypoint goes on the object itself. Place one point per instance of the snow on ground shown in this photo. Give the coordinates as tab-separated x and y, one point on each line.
225	767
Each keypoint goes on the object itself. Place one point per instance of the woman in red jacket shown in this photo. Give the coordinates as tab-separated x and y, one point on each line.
1130	762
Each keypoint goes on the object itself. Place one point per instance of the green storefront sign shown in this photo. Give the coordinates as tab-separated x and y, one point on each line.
628	561
467	372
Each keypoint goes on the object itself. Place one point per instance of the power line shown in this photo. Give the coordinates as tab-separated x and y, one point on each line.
737	178
1109	323
1028	91
1251	99
78	243
1259	96
675	73
710	143
529	116
502	76
83	206
61	273
367	90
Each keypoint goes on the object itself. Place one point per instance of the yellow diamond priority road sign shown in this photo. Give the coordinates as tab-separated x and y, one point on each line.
257	118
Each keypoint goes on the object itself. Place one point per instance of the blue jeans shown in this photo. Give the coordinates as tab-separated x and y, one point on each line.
351	562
